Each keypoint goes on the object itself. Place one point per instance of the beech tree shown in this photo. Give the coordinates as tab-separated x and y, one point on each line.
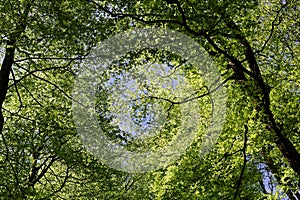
255	46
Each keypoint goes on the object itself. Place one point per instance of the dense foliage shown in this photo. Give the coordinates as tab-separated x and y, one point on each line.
255	46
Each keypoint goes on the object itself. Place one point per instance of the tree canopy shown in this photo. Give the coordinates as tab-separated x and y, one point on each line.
150	99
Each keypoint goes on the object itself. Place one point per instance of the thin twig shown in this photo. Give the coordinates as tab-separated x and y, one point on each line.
272	28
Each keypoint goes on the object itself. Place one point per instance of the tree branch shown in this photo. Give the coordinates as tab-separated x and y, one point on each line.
239	183
272	28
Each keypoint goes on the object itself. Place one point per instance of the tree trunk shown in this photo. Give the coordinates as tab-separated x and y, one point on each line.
284	144
6	68
8	61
